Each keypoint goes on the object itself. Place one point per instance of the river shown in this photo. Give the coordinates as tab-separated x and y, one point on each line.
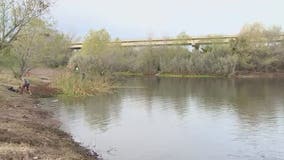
181	119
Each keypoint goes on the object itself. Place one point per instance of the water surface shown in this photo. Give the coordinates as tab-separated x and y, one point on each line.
181	119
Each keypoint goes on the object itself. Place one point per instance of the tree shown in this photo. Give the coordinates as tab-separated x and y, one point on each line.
39	44
15	15
96	42
255	47
183	37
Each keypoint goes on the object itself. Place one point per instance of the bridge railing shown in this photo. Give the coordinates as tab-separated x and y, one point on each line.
167	42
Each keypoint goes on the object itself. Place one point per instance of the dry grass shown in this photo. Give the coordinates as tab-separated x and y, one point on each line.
74	85
6	77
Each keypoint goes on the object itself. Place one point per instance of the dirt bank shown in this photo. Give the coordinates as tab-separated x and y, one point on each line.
28	132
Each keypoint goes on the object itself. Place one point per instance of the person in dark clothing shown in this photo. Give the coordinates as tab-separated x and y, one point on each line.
25	86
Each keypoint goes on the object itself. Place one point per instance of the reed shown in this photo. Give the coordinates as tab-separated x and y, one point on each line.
75	85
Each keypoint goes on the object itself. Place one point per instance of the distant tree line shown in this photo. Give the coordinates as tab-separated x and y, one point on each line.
253	51
28	40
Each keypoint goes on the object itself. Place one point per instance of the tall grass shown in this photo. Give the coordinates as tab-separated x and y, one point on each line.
73	84
7	78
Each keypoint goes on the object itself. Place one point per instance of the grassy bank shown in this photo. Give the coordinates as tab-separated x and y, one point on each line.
279	74
72	84
29	132
167	75
188	76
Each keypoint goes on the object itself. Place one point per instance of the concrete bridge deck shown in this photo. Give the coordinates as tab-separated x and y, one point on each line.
193	41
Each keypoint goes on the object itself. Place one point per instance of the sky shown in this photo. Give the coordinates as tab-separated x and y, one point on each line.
140	19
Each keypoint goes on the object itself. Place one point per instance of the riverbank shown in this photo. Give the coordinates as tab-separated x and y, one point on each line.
151	112
236	75
29	132
259	75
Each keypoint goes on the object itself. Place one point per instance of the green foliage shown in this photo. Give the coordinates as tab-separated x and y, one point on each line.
148	61
154	60
84	63
254	50
39	45
96	42
217	62
15	15
6	59
183	35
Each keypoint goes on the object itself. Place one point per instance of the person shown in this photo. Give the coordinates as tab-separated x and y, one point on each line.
25	86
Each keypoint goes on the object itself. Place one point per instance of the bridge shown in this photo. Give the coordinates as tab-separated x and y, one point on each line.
192	41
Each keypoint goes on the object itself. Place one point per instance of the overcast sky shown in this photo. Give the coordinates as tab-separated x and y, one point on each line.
135	19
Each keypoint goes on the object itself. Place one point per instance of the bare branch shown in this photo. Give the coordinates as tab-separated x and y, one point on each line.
16	14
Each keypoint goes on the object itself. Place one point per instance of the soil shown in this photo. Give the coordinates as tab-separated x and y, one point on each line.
27	132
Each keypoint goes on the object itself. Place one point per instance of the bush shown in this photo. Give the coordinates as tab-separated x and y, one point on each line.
218	61
254	50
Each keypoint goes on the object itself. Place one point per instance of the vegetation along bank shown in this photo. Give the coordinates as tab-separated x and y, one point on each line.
29	40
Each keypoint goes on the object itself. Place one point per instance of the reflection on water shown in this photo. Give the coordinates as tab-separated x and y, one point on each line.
183	119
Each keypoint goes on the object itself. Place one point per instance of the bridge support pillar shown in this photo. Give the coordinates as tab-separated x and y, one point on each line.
196	46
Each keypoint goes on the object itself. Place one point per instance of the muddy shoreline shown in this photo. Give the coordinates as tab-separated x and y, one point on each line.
30	132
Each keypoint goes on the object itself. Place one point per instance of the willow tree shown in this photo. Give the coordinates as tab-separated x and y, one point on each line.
16	14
